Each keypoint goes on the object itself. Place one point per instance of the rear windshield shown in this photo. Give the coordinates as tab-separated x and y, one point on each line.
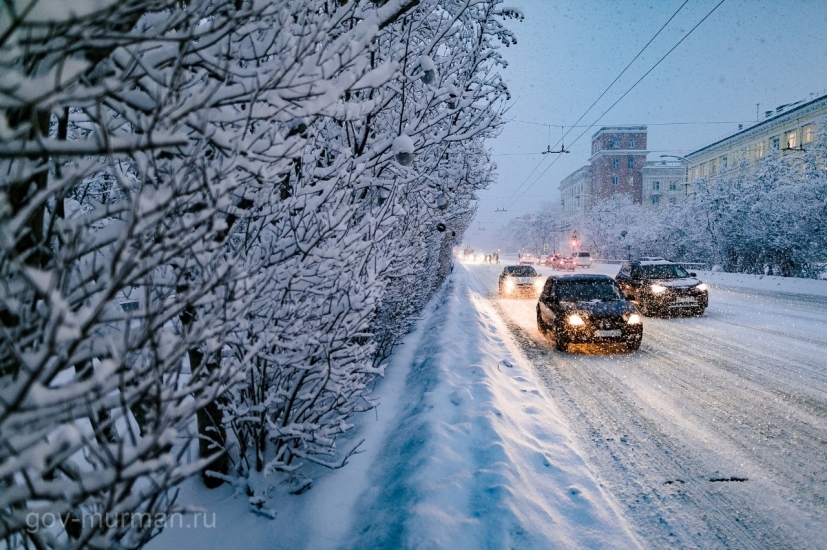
521	271
583	254
584	291
659	271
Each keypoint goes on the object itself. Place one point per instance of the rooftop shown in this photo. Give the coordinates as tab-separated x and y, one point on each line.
769	118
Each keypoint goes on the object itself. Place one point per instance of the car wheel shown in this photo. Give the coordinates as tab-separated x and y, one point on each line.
560	341
700	312
633	345
541	325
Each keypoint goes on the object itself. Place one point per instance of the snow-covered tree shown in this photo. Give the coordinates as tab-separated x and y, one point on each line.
216	216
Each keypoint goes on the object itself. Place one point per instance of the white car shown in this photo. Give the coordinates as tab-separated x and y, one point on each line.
584	259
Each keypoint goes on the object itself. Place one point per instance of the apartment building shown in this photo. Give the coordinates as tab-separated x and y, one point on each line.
576	192
618	154
664	182
787	129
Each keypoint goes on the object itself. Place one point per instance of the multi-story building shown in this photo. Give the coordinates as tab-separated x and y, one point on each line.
576	192
786	130
618	154
664	182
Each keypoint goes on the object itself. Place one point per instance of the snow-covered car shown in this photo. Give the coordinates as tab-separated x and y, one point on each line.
527	259
590	308
584	259
659	286
519	280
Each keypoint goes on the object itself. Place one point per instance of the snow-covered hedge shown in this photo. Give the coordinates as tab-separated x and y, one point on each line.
222	214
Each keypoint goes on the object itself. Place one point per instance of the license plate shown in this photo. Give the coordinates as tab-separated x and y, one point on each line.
688	300
607	333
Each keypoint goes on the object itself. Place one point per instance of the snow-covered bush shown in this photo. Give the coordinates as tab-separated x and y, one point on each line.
204	224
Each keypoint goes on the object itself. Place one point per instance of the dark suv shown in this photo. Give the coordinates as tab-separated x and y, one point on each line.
587	308
659	286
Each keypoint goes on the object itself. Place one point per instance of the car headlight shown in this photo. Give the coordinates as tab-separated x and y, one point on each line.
509	285
703	287
657	289
634	319
575	320
538	284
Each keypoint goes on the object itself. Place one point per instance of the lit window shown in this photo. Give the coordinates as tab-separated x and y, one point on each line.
656	185
631	180
615	163
809	134
631	143
759	149
776	144
673	185
615	180
630	162
792	139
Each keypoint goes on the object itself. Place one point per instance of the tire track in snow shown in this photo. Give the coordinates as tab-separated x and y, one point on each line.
633	449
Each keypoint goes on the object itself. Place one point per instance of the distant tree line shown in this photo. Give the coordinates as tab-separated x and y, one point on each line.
217	219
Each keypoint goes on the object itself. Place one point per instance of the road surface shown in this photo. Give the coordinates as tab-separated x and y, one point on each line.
713	434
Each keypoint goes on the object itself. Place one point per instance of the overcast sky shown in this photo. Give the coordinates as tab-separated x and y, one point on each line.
747	52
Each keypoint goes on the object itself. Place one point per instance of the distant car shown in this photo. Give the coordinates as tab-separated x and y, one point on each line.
587	309
567	263
517	280
528	259
584	259
551	259
660	287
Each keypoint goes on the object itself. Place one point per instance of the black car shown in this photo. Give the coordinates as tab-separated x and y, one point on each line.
661	287
520	279
587	309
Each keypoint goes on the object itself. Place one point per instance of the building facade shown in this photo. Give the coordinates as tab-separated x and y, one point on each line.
618	155
664	182
786	130
576	192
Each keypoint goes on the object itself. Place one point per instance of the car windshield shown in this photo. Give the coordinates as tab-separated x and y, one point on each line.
662	271
522	271
585	291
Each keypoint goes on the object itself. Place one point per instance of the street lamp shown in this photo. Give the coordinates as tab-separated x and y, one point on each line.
686	162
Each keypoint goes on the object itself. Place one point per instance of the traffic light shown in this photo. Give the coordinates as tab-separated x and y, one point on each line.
574	243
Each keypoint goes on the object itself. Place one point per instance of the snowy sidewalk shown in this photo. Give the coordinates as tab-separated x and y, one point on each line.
478	456
465	451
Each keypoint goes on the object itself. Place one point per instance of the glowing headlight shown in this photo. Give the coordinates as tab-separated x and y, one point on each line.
538	284
703	286
634	319
657	289
509	285
576	320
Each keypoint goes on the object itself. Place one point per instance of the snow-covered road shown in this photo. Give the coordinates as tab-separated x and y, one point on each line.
714	434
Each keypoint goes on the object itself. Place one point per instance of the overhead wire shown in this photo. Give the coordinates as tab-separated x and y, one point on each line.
562	139
512	201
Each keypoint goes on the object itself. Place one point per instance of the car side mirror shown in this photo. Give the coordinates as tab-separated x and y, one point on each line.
693	274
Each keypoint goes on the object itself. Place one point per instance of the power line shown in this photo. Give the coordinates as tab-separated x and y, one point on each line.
625	93
598	99
636	124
